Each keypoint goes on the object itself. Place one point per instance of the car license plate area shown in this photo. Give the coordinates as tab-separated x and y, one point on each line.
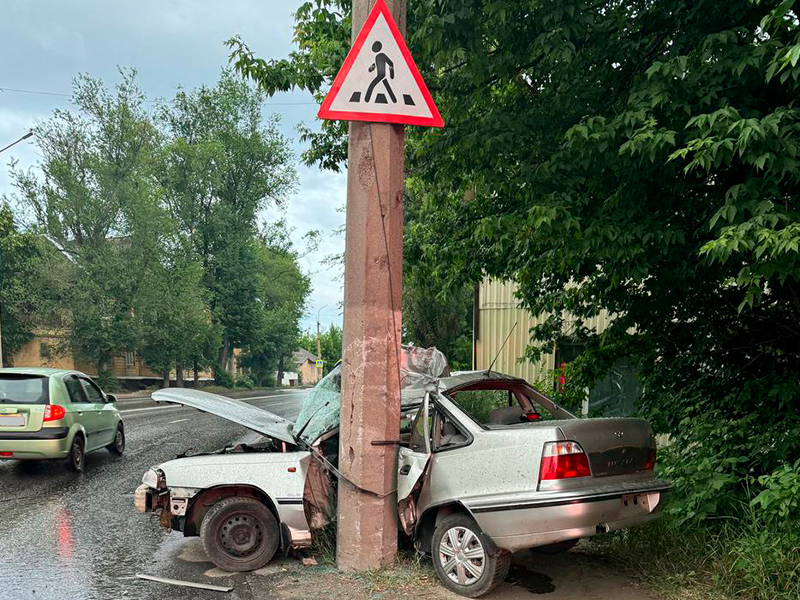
638	503
13	420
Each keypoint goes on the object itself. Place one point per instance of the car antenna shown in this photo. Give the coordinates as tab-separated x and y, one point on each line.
496	356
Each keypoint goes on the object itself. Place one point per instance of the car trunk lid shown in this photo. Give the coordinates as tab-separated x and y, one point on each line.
23	399
614	446
256	419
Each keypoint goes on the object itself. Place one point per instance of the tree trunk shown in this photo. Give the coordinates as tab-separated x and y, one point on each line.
179	375
222	356
165	379
196	374
279	381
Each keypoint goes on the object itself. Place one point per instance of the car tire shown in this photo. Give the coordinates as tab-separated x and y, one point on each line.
76	459
462	560
240	534
556	548
118	445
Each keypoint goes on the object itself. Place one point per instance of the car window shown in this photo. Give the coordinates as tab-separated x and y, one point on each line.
74	389
93	393
447	433
23	389
481	403
417	441
506	405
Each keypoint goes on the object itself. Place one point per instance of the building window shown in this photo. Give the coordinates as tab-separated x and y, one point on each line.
44	350
130	359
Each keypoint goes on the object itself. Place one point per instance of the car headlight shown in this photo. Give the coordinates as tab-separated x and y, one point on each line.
154	478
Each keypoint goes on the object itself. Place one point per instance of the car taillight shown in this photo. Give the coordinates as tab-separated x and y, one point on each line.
563	460
54	412
650	463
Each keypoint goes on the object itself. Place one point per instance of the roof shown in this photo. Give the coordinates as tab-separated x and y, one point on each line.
465	377
44	371
302	355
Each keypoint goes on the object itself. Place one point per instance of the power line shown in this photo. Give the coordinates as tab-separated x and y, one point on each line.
61	95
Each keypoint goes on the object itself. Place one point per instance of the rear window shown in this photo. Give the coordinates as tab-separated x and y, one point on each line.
23	389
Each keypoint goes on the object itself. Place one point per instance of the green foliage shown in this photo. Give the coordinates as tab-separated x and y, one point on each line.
223	378
635	157
778	503
330	341
740	558
243	381
25	297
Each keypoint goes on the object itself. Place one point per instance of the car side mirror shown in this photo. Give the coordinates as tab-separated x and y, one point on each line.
111	398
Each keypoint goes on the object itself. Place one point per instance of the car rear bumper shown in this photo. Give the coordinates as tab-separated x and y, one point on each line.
47	443
539	522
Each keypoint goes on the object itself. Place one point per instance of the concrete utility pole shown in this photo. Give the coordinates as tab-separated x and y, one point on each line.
367	537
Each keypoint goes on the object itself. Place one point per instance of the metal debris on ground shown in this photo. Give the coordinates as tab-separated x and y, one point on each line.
191	584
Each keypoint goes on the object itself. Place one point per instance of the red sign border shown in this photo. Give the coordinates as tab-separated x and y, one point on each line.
325	111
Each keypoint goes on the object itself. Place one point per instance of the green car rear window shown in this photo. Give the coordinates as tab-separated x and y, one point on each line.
23	389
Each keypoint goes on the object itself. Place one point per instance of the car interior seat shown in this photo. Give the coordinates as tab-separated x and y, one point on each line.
506	416
451	435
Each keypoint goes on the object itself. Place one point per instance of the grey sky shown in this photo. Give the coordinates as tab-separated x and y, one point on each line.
172	43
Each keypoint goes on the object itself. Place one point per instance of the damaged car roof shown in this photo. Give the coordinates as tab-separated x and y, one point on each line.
254	418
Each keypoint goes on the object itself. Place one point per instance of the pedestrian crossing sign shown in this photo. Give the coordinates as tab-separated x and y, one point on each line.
379	81
319	364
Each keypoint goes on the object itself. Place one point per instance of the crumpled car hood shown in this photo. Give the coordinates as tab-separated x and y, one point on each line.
256	419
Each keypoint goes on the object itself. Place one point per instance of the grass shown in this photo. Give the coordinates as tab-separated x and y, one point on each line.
739	559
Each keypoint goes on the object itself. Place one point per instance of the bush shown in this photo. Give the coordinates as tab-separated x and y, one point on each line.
779	500
224	379
740	558
107	382
244	381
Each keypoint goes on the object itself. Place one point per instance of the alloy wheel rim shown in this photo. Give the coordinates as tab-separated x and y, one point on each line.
241	535
462	556
120	440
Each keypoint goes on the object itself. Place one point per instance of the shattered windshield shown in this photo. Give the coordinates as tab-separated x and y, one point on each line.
420	369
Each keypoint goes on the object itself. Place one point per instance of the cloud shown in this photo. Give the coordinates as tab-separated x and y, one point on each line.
175	43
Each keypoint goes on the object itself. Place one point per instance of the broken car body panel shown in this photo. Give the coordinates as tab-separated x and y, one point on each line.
255	419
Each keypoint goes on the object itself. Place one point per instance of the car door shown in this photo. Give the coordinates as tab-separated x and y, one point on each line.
82	410
412	462
103	413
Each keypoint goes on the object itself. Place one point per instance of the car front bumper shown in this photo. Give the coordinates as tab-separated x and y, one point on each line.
47	443
541	521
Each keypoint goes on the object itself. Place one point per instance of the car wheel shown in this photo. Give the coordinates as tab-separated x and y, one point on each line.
239	534
77	454
118	445
556	548
462	560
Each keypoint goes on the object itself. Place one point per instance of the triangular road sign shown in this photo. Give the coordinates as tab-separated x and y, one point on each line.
379	80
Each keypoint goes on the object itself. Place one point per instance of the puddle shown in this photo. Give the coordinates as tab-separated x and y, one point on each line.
535	583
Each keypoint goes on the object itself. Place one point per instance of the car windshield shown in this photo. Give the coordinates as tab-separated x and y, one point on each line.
503	404
23	389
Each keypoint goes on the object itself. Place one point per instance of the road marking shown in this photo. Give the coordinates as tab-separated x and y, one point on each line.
178	421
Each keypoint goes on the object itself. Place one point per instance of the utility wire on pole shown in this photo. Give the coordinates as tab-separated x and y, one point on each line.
24	137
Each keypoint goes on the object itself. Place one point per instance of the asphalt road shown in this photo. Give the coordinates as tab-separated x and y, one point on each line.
77	536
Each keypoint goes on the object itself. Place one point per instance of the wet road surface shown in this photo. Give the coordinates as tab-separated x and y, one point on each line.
77	536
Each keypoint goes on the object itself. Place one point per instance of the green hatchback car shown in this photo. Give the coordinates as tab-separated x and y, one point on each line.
56	414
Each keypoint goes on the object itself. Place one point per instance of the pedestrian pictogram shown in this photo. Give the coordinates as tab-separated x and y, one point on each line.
319	364
379	80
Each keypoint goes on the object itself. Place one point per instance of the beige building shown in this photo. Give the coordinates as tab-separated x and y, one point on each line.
42	351
497	310
307	369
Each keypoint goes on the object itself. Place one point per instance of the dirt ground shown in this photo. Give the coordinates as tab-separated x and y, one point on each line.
574	575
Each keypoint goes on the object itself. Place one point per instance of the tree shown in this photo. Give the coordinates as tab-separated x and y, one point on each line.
221	166
25	301
282	290
92	194
330	342
634	157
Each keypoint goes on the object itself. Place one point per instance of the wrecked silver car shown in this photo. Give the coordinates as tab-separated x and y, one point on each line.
488	466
